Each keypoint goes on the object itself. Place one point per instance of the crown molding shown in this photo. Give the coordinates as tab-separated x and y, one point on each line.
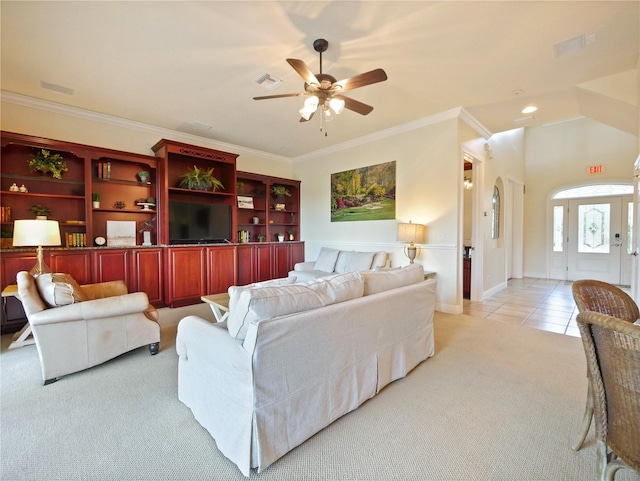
455	113
53	107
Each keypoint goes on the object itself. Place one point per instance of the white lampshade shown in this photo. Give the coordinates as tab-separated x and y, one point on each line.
410	232
35	232
310	106
337	105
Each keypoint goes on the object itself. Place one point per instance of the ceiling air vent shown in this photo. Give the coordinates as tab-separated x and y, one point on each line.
268	82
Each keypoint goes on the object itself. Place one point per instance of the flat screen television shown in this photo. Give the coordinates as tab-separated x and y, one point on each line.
199	223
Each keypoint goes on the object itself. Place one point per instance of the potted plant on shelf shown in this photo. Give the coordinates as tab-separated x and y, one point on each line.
40	211
280	191
261	237
95	198
291	233
44	161
144	176
280	236
199	179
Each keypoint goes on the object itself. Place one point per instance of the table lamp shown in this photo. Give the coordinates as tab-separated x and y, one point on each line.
411	233
35	232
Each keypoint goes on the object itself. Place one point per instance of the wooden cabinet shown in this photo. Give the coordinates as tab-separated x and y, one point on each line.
187	275
261	262
148	274
176	159
64	197
123	195
170	274
221	265
466	278
277	214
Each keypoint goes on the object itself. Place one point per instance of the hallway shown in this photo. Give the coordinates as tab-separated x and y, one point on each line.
539	303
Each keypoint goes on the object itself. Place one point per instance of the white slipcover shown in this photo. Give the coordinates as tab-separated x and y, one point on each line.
296	374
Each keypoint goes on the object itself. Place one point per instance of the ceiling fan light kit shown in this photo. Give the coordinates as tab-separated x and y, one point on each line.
322	90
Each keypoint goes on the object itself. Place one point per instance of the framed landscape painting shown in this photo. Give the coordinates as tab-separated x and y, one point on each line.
368	193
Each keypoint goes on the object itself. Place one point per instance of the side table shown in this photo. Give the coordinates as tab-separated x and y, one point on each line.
219	304
23	337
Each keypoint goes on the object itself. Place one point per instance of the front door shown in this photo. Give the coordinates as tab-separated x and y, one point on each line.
597	239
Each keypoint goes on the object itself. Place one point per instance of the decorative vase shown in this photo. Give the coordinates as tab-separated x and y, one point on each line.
280	237
96	204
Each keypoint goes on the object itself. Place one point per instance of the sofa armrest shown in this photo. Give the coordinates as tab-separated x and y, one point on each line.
304	266
135	303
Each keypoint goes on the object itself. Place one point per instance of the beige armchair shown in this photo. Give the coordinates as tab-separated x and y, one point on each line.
96	323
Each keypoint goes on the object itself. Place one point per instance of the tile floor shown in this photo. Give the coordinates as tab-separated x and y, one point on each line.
539	303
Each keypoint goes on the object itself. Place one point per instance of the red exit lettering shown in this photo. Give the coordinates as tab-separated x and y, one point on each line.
595	169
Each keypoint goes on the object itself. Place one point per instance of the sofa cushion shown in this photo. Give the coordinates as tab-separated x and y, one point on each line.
360	261
326	261
261	303
59	289
343	262
383	280
235	291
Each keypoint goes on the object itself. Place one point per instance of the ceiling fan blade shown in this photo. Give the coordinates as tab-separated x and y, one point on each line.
302	94
367	78
354	105
304	71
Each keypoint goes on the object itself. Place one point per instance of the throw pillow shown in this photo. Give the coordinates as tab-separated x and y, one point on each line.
360	261
343	262
383	280
59	289
326	260
379	260
235	291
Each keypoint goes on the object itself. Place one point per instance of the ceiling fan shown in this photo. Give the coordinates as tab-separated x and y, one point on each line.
323	92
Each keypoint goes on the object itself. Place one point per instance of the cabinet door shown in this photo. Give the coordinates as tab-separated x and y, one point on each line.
262	262
148	274
297	254
112	265
186	281
245	264
75	263
281	260
221	269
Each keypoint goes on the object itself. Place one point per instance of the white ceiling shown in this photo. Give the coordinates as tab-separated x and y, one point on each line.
173	64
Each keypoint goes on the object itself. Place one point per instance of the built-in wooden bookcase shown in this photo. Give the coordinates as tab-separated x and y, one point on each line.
176	159
123	195
66	197
276	214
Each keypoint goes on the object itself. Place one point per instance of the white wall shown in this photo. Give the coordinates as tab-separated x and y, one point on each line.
557	156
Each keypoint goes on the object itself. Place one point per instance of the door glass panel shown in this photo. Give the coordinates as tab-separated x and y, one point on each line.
558	228
630	228
593	228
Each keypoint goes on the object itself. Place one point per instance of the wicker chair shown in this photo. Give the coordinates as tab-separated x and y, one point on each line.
612	347
597	296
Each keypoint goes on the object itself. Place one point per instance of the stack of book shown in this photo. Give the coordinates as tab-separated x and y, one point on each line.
76	239
5	214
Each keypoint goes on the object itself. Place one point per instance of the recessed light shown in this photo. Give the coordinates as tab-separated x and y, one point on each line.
529	109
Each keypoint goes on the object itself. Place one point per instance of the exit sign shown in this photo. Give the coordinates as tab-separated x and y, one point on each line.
595	169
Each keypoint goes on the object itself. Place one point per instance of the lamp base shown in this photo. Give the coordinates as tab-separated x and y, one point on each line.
411	251
41	267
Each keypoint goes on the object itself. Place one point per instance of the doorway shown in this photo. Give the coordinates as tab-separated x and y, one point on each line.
592	236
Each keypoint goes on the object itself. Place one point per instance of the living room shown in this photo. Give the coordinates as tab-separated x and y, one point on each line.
428	148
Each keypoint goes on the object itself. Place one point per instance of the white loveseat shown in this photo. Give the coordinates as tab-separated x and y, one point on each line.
336	261
269	377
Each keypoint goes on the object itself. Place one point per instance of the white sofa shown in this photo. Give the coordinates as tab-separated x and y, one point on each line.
336	261
269	377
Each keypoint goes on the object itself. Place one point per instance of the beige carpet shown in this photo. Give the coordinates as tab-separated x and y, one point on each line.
497	402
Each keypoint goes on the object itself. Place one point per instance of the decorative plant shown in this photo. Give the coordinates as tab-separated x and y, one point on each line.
5	234
151	200
261	237
39	209
240	187
95	197
280	191
144	176
291	232
44	161
198	179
